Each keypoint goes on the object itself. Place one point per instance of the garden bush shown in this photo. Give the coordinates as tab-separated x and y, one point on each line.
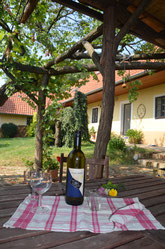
67	127
31	129
9	130
134	136
116	143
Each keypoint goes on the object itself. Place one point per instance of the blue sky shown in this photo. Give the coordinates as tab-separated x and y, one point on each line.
2	81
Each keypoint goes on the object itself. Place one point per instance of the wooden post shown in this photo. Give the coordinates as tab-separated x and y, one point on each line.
108	63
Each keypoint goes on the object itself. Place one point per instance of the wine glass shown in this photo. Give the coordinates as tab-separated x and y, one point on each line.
40	182
27	178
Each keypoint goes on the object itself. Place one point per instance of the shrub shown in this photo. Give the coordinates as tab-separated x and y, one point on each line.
9	130
80	114
116	143
67	126
50	164
31	129
134	136
92	131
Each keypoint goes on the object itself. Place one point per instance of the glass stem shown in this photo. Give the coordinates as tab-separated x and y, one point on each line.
33	194
40	201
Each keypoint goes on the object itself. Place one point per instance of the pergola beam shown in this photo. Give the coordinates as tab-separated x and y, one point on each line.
78	45
87	67
120	57
81	8
94	56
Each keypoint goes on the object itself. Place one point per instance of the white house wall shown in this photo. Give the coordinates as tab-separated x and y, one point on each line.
153	129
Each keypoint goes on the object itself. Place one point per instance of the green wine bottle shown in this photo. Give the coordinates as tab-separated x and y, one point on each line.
75	173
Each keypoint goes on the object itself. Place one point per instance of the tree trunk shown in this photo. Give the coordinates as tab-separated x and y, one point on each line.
39	128
108	64
57	134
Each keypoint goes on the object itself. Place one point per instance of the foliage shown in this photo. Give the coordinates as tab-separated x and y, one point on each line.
31	129
80	114
116	143
110	185
134	136
67	126
92	131
133	94
111	189
50	164
28	163
9	130
50	30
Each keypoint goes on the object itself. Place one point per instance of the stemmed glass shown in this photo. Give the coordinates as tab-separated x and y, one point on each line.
40	182
27	177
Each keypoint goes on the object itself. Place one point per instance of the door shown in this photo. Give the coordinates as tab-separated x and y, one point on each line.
126	117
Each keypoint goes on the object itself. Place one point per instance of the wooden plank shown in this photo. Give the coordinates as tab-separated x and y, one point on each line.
15	191
13	197
144	195
145	243
45	240
141	185
10	204
161	219
158	209
160	199
16	234
138	191
157	236
3	220
103	241
7	212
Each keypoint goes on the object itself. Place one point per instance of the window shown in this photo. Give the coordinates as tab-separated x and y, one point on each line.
160	107
95	115
29	120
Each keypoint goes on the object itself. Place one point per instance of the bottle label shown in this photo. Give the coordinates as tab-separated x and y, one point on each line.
75	182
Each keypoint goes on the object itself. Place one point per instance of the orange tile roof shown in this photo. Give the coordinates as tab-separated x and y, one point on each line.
15	105
92	84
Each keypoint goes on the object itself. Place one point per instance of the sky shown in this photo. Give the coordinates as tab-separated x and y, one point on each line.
2	81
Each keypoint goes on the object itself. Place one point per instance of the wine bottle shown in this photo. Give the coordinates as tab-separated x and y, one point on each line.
75	173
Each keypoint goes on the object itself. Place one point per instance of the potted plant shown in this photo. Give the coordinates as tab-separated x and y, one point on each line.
134	136
52	166
92	133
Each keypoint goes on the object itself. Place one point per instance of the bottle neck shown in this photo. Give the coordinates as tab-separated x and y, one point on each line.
77	140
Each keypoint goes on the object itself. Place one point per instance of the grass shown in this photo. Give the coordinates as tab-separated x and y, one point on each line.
13	151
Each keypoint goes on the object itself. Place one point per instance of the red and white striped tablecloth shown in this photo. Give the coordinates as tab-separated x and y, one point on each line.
128	214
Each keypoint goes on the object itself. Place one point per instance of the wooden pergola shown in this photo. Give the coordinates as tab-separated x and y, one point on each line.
144	19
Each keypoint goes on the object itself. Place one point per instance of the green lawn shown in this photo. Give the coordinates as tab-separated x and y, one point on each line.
14	150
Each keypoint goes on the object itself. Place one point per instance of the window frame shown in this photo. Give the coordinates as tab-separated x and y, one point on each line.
155	106
92	119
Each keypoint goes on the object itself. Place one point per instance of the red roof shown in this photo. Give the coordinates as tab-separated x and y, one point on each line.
92	84
15	105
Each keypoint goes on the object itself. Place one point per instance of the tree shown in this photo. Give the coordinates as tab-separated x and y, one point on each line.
32	35
67	126
80	114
